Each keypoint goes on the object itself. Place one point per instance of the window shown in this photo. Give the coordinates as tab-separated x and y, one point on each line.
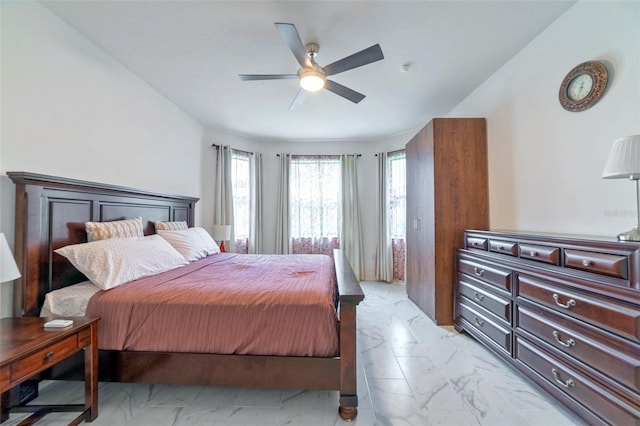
240	177
314	203
397	194
397	209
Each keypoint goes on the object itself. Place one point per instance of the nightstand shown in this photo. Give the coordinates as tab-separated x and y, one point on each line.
27	348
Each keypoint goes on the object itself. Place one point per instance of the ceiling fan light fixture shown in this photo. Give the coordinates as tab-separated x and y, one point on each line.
311	80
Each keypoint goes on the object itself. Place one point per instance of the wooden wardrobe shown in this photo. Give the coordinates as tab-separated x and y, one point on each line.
447	192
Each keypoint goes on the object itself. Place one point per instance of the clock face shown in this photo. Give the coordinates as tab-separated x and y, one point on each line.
580	87
583	86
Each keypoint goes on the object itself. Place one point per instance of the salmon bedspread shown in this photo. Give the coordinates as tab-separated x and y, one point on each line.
226	304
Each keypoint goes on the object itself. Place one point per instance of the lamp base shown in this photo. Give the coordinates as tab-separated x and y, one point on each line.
633	235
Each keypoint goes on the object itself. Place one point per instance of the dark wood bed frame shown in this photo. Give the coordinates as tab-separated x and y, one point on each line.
50	213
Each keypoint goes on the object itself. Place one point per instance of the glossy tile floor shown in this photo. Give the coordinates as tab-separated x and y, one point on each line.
410	373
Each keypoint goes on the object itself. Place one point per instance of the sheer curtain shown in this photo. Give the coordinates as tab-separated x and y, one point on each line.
384	258
283	240
314	204
223	204
255	224
351	230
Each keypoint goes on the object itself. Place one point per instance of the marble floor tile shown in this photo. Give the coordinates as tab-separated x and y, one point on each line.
410	373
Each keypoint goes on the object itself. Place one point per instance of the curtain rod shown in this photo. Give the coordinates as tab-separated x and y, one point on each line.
393	152
320	155
213	145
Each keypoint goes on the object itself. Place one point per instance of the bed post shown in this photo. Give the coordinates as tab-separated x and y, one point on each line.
350	296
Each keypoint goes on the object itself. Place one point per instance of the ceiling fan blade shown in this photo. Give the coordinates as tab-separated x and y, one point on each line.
299	99
363	57
247	77
343	91
292	38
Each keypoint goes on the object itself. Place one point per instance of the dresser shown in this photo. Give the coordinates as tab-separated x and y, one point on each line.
447	192
563	310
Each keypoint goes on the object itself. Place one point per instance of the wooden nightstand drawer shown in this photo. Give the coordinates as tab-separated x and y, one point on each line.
4	377
598	263
84	338
43	359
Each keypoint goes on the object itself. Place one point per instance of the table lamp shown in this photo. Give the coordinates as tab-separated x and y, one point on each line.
8	268
624	163
222	233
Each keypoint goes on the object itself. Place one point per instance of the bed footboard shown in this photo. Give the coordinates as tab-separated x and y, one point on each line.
350	296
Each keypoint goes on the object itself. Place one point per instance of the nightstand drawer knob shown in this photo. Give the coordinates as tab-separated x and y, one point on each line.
49	355
586	262
478	271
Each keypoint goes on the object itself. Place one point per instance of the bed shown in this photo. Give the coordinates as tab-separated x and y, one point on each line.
50	214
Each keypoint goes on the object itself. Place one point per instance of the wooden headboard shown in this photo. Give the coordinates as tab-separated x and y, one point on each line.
50	213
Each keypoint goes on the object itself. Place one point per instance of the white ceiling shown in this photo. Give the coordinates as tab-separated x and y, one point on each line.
193	51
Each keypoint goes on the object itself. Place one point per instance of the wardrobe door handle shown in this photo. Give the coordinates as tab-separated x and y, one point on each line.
565	384
568	344
570	303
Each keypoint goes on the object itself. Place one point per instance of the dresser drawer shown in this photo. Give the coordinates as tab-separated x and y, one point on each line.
482	323
43	359
497	305
491	274
615	357
477	243
598	263
4	377
544	254
504	247
613	410
613	316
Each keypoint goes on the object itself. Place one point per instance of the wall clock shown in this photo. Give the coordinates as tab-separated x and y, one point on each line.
583	86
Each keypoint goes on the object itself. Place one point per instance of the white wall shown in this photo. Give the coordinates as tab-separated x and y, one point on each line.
545	163
367	178
69	109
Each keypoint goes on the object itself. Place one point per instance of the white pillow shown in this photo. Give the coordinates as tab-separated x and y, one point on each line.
170	226
125	228
192	243
109	263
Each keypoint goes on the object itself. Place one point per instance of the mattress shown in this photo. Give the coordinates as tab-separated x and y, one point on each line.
226	304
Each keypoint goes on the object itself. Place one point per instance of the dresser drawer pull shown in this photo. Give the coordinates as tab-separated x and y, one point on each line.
49	355
566	384
479	297
586	262
533	253
568	344
478	322
570	303
478	271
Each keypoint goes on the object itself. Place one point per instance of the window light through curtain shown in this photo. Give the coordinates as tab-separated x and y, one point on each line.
314	204
397	209
240	178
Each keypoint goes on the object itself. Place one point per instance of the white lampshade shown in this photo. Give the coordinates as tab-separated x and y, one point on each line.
624	159
221	232
8	268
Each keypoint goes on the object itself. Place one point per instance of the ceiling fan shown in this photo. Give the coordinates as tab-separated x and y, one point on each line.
312	76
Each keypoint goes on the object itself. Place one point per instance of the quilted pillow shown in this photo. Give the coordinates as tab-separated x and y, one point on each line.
109	263
117	229
170	226
192	243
